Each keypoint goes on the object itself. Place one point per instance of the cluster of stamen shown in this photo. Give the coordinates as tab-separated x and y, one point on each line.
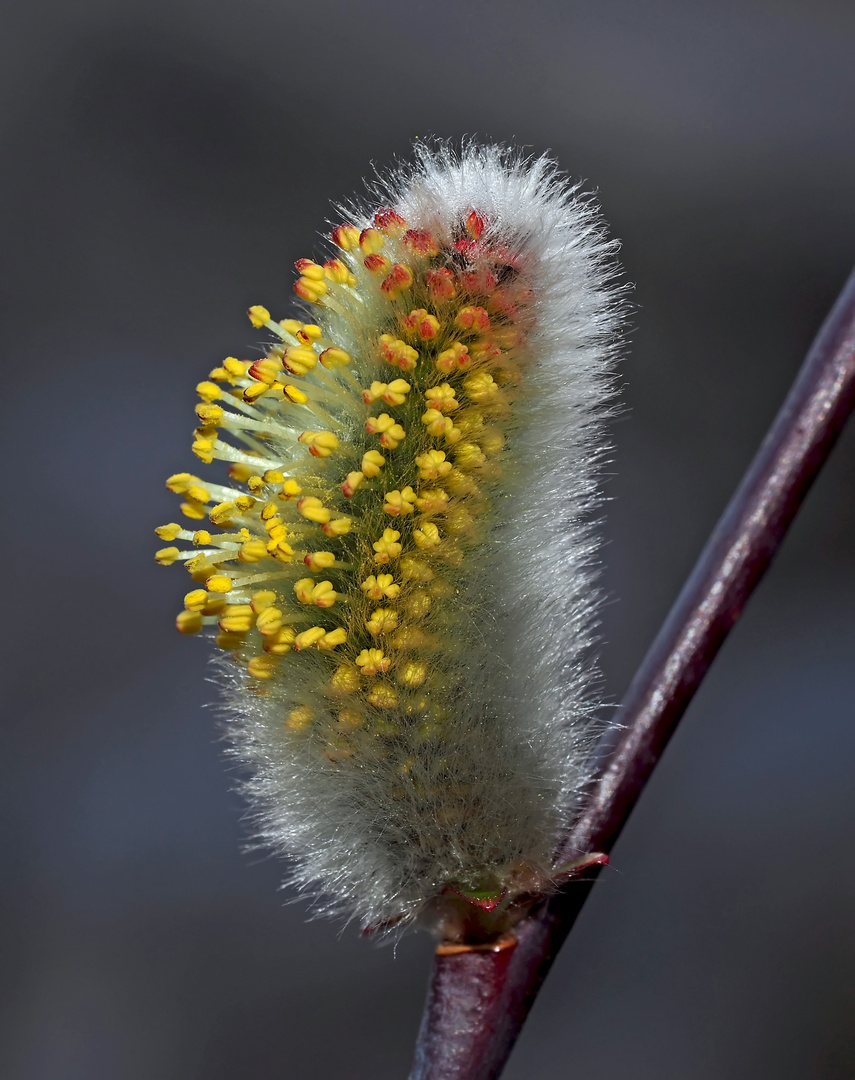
352	503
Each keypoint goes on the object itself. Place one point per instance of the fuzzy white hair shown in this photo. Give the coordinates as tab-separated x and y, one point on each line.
493	797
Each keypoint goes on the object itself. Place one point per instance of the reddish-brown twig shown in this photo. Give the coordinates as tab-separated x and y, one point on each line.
478	1001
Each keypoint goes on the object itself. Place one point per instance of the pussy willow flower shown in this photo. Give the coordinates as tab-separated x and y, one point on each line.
400	562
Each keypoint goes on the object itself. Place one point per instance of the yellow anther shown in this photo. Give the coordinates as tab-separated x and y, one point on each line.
319	560
291	326
276	530
210	414
258	315
459	520
399	278
281	550
252	393
399	502
371	241
310	289
432	465
289	489
223	514
201	538
270	511
469	456
196	600
338	526
432	501
308	638
427	537
266	370
332	639
273	476
300	719
229	641
411	638
345	679
333	357
422	324
349	720
196	493
320	443
167	556
240	472
442	398
387	547
372	462
179	482
310	269
383	585
310	332
219	374
436	423
188	622
203	448
269	621
244	503
473	319
208	391
471	423
237	619
373	662
261	667
412	673
252	551
382	621
383	697
294	395
300	359
281	642
481	387
454	358
262	600
219	583
413	569
418	604
236	368
313	510
351	483
393	393
391	433
168	532
397	352
491	441
322	594
335	270
346	237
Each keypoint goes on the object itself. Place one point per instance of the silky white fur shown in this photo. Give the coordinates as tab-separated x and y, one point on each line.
517	755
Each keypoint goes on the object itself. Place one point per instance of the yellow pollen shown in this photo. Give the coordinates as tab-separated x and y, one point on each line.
179	482
210	414
252	551
290	490
201	538
219	583
208	391
258	315
236	368
167	556
223	514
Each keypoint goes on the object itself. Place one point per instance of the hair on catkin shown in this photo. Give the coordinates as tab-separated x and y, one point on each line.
400	568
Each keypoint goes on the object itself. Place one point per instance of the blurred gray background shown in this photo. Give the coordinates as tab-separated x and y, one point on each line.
163	166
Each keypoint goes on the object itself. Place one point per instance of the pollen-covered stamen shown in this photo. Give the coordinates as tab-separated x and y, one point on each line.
393	393
398	280
399	502
453	359
345	237
390	431
442	398
432	465
371	241
390	222
387	547
321	444
383	585
421	324
398	353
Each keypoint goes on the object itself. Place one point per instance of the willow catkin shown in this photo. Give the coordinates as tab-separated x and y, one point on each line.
401	563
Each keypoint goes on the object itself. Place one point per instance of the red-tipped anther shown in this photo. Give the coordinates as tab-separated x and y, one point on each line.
389	222
400	277
475	225
440	283
346	237
377	264
421	242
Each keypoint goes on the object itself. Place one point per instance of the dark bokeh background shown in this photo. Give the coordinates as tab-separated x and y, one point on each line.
163	165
